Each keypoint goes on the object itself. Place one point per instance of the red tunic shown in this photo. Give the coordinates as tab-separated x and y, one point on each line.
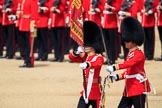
134	64
29	12
13	7
96	65
58	19
93	17
149	20
111	20
43	17
133	9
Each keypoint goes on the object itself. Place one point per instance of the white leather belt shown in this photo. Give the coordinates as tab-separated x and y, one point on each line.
137	76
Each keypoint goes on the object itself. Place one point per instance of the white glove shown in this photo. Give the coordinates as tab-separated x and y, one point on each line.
86	19
97	10
83	65
44	8
105	12
122	13
57	10
150	12
143	10
8	10
91	12
110	69
113	76
79	50
12	17
80	21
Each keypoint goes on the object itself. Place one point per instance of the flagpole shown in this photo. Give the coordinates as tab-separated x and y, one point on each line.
77	32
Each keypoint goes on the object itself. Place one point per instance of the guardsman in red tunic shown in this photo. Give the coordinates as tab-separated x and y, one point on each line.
110	27
128	8
57	26
136	83
29	14
91	64
9	8
159	25
148	23
42	27
1	36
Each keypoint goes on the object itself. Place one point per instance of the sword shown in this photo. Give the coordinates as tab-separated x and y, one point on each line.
103	98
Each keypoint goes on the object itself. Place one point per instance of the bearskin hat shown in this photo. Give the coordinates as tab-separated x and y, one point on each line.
92	35
132	31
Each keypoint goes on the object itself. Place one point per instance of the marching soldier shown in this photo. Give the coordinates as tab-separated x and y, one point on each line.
57	26
91	66
28	17
42	27
148	23
128	8
136	83
9	8
110	28
159	25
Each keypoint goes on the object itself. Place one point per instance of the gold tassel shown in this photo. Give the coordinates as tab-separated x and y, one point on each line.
33	29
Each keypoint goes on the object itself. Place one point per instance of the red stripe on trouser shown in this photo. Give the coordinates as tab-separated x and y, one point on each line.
98	103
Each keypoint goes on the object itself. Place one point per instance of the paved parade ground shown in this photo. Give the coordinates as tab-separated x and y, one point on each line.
57	85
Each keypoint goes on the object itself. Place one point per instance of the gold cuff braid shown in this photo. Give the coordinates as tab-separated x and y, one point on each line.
116	66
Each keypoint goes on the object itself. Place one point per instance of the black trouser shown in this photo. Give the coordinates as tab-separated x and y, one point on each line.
25	46
9	33
1	41
160	36
110	36
136	101
82	104
149	43
66	40
42	43
19	41
58	42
